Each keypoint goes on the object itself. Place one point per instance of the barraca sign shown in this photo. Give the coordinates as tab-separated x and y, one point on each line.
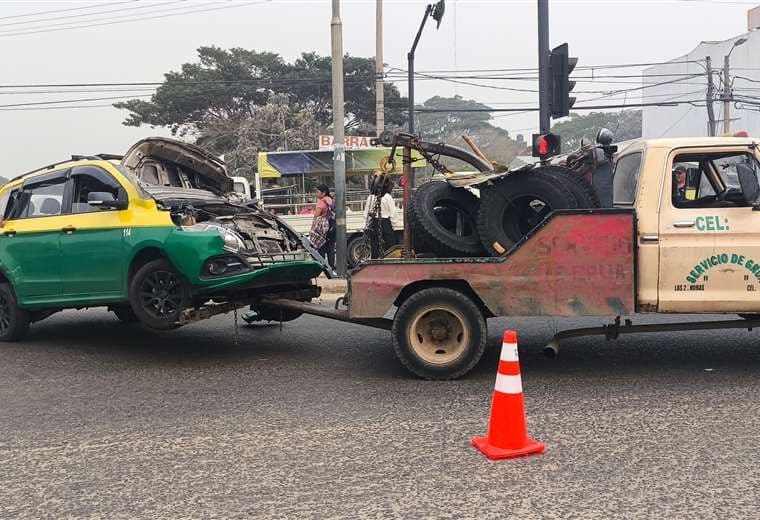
723	259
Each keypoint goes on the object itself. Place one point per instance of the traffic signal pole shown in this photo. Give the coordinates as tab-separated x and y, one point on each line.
544	74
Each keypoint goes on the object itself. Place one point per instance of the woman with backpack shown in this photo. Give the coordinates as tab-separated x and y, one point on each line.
322	234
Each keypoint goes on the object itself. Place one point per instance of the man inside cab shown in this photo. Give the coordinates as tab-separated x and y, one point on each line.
679	185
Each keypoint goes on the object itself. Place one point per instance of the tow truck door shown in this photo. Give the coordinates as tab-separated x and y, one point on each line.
708	240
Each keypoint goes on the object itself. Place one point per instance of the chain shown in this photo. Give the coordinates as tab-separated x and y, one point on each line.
235	336
435	163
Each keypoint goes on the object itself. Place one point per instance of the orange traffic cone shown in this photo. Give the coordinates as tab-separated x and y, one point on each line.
507	434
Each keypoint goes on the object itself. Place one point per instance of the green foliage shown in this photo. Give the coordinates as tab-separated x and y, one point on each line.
448	127
438	125
273	126
232	84
625	125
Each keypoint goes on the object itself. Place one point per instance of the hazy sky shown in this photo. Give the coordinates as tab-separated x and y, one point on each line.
475	34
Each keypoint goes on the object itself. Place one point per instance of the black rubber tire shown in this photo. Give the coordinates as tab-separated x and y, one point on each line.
145	280
585	194
499	226
353	251
420	303
124	313
435	207
14	321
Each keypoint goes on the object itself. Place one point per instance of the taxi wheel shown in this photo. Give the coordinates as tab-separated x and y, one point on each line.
14	321
439	333
124	313
157	295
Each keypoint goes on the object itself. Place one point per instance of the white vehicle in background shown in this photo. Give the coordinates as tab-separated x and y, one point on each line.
242	186
285	183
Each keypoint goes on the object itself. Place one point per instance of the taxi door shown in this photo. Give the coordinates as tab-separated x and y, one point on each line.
708	235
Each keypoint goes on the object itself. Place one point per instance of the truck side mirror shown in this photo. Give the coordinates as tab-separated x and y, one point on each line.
604	137
748	183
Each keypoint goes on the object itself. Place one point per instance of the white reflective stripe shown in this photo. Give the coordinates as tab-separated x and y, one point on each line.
508	384
509	352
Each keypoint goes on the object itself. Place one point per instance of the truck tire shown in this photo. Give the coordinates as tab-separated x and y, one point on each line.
585	194
444	220
439	334
14	321
358	250
517	204
157	295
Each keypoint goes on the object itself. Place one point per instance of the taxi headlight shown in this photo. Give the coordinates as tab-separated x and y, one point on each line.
232	242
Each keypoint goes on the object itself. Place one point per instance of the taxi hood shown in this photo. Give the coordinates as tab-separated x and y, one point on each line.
204	168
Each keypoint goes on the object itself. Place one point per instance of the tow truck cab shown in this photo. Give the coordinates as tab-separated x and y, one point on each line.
698	246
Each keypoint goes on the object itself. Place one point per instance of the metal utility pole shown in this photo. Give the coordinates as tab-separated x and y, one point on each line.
726	96
339	152
544	75
379	83
709	98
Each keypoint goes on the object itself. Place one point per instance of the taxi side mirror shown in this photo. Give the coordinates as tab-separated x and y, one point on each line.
105	199
748	183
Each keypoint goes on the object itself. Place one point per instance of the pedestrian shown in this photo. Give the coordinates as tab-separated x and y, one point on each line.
378	214
322	234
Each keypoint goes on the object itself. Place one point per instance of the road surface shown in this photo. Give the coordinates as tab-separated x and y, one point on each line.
319	420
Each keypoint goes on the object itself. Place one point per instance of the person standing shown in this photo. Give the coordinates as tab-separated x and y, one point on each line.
378	213
322	234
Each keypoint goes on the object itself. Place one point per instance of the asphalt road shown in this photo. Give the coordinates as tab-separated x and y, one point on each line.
319	420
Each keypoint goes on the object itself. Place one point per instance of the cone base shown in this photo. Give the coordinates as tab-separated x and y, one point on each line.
494	453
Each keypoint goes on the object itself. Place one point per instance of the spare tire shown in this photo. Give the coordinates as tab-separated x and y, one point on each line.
444	220
517	204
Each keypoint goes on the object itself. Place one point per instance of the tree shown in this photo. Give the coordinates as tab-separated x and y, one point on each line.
229	85
451	123
276	125
438	125
625	125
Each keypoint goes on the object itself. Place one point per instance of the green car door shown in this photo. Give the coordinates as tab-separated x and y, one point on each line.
30	238
93	265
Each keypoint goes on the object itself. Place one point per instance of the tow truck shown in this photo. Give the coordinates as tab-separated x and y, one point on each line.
667	246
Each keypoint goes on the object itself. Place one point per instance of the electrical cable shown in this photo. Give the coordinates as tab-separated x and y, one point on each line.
143	18
122	9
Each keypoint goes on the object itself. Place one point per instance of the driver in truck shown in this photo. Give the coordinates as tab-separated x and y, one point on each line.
679	184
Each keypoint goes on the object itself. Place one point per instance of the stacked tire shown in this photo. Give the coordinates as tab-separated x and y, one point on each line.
444	220
452	222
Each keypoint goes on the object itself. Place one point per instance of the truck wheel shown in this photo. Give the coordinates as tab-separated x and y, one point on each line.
514	206
14	321
358	250
439	334
124	313
444	220
157	295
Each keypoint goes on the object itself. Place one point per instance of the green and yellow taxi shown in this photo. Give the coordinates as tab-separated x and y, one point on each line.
150	235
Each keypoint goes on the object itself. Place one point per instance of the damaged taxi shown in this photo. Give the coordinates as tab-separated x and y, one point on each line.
156	236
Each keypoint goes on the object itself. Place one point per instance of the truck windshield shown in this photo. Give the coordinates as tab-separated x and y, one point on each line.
726	168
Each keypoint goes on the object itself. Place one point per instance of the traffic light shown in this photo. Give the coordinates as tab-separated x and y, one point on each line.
546	145
561	65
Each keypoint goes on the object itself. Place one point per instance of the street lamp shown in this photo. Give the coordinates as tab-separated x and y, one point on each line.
436	13
727	94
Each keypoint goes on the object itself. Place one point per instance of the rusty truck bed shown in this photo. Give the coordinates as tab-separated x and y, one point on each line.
577	263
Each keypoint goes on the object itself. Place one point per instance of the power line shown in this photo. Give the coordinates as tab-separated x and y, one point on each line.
694	102
143	18
83	15
64	10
